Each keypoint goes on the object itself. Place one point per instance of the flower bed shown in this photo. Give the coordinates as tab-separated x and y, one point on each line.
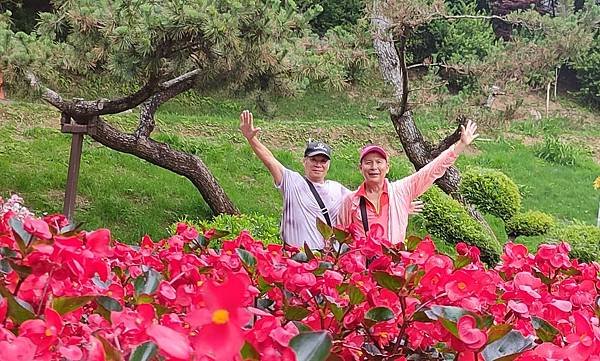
76	295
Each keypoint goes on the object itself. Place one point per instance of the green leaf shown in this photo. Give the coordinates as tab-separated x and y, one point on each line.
448	312
461	261
412	242
386	280
323	266
22	271
309	254
7	252
311	346
248	352
64	305
508	347
379	314
324	229
109	303
296	313
341	236
219	233
18	310
544	330
5	266
421	316
147	283
302	327
545	279
496	332
144	299
112	354
21	237
247	257
355	294
337	311
144	352
450	326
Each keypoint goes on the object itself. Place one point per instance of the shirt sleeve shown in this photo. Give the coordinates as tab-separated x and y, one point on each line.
289	180
420	181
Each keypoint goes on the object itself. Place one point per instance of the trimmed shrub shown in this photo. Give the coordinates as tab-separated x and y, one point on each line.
491	191
584	240
265	228
447	219
530	223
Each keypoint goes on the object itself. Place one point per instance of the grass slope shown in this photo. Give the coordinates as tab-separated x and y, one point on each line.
133	197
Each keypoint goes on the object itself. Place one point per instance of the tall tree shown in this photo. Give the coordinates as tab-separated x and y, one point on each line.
544	43
168	47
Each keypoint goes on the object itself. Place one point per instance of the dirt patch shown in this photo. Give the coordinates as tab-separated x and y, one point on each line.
58	196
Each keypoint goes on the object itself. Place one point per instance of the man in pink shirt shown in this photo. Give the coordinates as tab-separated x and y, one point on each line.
381	202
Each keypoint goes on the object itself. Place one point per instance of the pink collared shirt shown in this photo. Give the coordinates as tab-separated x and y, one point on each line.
374	216
401	193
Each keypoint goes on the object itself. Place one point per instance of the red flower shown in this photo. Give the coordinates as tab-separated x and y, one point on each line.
37	227
98	242
170	341
469	334
220	335
18	349
582	342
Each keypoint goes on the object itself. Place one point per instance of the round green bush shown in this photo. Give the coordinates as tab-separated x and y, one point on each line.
491	191
584	240
447	219
530	223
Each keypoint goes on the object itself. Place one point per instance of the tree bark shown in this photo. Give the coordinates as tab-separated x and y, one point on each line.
150	96
162	155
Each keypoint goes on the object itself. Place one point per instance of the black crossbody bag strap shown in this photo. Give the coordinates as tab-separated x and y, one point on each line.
363	214
319	201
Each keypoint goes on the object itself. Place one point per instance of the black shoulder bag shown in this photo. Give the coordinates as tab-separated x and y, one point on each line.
319	201
363	214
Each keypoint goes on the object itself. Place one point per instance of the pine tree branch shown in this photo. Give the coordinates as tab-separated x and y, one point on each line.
88	108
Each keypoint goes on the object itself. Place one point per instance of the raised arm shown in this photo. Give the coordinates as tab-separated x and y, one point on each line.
419	182
263	153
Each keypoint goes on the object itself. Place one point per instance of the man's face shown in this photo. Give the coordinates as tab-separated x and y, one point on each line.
374	167
316	167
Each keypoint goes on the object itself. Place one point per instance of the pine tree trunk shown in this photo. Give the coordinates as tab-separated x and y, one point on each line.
176	161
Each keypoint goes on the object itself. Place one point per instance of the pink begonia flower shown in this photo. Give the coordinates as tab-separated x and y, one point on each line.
98	242
469	334
18	349
583	342
171	342
220	322
37	228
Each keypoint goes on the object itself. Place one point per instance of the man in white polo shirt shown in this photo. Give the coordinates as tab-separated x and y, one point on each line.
300	206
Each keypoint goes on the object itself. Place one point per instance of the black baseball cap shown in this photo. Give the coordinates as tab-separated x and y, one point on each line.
317	148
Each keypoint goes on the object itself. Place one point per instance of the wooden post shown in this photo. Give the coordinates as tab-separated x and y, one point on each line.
73	175
77	128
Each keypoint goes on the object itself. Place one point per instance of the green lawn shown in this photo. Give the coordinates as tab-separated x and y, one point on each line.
133	197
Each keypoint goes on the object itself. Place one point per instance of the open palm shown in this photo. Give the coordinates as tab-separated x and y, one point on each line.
468	133
247	125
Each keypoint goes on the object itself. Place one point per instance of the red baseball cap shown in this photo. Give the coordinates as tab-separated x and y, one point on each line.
373	148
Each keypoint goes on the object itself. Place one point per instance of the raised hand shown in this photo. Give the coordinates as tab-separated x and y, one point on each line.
468	133
247	125
416	207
